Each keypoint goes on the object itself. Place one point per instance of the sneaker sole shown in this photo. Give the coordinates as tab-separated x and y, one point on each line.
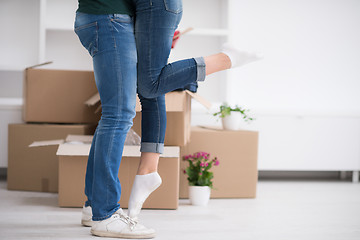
122	235
87	223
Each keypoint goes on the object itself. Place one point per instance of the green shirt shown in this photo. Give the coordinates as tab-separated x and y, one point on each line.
107	7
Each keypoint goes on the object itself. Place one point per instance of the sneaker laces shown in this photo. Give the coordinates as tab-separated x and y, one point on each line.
130	221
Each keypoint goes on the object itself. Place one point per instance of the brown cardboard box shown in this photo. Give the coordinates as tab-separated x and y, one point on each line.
58	96
178	108
236	176
72	169
36	169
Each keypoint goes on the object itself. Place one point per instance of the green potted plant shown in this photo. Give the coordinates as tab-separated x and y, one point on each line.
200	177
232	117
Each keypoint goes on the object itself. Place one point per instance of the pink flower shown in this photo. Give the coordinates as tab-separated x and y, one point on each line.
206	164
200	173
184	171
216	163
202	164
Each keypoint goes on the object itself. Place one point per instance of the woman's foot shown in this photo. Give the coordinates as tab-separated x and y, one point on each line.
143	186
239	58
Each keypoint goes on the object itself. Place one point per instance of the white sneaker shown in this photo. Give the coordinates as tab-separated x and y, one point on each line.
86	217
121	226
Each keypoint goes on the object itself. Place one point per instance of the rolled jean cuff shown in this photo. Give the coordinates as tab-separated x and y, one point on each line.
152	147
201	69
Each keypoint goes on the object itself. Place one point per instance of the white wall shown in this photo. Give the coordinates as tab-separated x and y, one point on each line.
312	55
305	94
19	33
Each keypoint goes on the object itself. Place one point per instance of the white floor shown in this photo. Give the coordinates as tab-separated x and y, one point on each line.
282	210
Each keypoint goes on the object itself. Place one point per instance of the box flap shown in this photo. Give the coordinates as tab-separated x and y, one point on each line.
70	139
171	152
79	139
219	129
93	100
200	99
67	149
39	65
46	143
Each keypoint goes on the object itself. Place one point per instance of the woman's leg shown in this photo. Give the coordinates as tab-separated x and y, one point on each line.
110	41
153	126
156	22
217	62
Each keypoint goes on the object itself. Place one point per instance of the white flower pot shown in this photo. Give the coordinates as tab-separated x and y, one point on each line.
199	195
232	121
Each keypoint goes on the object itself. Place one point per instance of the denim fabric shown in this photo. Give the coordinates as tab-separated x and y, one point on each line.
156	22
111	43
153	124
110	40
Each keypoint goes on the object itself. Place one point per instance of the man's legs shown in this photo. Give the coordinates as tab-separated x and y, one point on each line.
110	41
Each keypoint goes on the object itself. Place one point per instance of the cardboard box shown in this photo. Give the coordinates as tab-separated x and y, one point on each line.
36	169
236	176
58	96
72	169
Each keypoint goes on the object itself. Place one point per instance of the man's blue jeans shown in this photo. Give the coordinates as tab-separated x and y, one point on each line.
111	43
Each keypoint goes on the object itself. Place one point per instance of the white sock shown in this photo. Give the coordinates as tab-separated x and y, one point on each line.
143	186
239	58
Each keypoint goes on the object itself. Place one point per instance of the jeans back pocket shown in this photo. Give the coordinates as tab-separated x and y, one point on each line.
174	6
88	35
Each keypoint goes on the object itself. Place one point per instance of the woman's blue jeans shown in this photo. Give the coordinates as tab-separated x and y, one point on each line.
121	71
155	25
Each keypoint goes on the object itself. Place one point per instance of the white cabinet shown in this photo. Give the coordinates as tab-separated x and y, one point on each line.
10	112
19	41
300	141
309	143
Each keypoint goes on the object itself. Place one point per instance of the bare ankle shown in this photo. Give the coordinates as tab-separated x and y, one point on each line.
145	171
226	60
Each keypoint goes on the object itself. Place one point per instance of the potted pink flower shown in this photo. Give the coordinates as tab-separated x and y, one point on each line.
200	177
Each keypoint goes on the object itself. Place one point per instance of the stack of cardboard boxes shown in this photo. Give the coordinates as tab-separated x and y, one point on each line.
53	108
56	107
59	104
